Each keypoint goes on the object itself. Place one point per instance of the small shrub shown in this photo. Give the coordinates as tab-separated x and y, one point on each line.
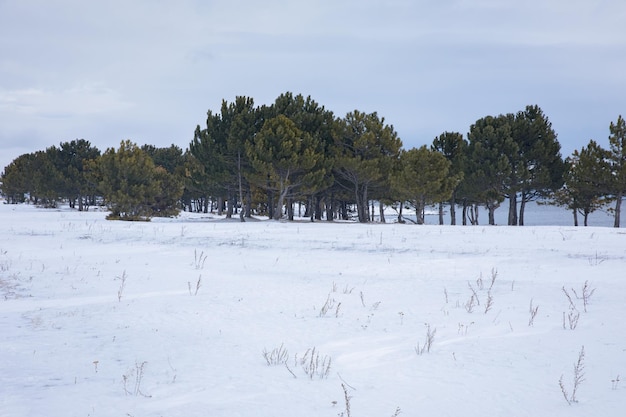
276	356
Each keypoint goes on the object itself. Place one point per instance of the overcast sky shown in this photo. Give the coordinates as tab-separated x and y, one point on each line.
148	70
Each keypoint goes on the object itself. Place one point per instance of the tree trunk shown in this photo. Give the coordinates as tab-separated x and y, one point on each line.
440	214
522	207
382	212
618	209
239	180
453	210
343	207
362	204
248	202
318	207
282	196
491	207
220	205
512	209
330	208
464	212
419	210
290	209
400	219
230	205
473	214
575	212
270	204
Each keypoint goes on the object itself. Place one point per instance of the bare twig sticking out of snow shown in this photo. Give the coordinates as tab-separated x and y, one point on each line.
579	377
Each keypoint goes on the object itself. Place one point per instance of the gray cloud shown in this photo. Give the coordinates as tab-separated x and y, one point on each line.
149	70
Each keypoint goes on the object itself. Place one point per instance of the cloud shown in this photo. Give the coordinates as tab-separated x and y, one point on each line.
150	69
79	100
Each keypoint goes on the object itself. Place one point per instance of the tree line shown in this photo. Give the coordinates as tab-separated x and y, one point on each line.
295	154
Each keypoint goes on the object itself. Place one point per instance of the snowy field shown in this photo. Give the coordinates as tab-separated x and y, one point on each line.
197	316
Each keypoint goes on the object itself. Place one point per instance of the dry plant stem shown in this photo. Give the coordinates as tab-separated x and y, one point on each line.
347	400
277	356
199	259
120	291
469	305
137	373
585	295
474	294
337	310
314	365
533	313
615	383
572	319
489	304
328	305
572	306
494	276
430	338
198	284
579	377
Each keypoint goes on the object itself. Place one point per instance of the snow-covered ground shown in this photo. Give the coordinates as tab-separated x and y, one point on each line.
180	317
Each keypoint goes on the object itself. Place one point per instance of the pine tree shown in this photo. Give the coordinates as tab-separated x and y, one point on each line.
424	178
284	158
454	148
587	175
489	167
617	156
128	182
367	150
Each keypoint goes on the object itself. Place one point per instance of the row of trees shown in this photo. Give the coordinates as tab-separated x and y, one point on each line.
268	160
133	182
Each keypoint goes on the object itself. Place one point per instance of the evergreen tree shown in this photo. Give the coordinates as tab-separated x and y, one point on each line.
315	120
127	180
586	178
242	121
454	148
69	161
15	181
424	176
169	173
367	151
284	159
537	168
617	157
489	167
208	147
48	184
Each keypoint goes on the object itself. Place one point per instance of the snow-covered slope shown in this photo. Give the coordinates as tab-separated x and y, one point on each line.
180	317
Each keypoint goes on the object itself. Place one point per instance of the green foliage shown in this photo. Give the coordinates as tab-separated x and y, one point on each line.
170	173
70	161
587	180
453	147
424	178
617	157
366	152
128	182
285	160
488	164
539	167
15	183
